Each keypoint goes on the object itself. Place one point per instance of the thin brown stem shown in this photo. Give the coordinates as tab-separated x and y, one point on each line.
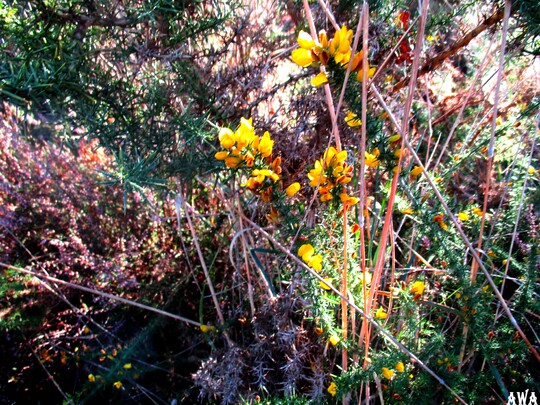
438	59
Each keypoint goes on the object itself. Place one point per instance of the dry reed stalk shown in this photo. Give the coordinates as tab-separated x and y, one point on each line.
363	190
491	148
334	111
184	204
246	262
381	256
392	269
491	154
362	26
344	307
327	91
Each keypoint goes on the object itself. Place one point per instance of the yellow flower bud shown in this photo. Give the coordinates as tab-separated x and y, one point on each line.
416	171
325	286
292	189
463	216
222	155
206	328
334	339
332	389
319	80
387	373
380	314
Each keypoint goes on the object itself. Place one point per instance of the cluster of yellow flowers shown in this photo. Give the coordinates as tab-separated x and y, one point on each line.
318	51
332	171
389	373
416	289
372	159
244	148
307	253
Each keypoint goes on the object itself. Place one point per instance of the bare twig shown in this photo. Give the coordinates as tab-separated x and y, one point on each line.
203	264
327	91
404	131
100	293
436	61
51	378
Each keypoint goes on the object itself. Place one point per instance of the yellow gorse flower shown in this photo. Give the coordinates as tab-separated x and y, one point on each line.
370	73
348	200
315	52
352	119
325	286
407	211
310	52
307	253
477	211
319	80
243	146
400	367
340	45
334	339
292	189
417	289
305	41
265	145
365	277
416	170
332	389
329	172
206	328
439	218
371	160
303	57
380	314
387	373
394	139
463	216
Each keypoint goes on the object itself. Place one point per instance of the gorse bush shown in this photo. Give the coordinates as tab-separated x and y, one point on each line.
362	229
